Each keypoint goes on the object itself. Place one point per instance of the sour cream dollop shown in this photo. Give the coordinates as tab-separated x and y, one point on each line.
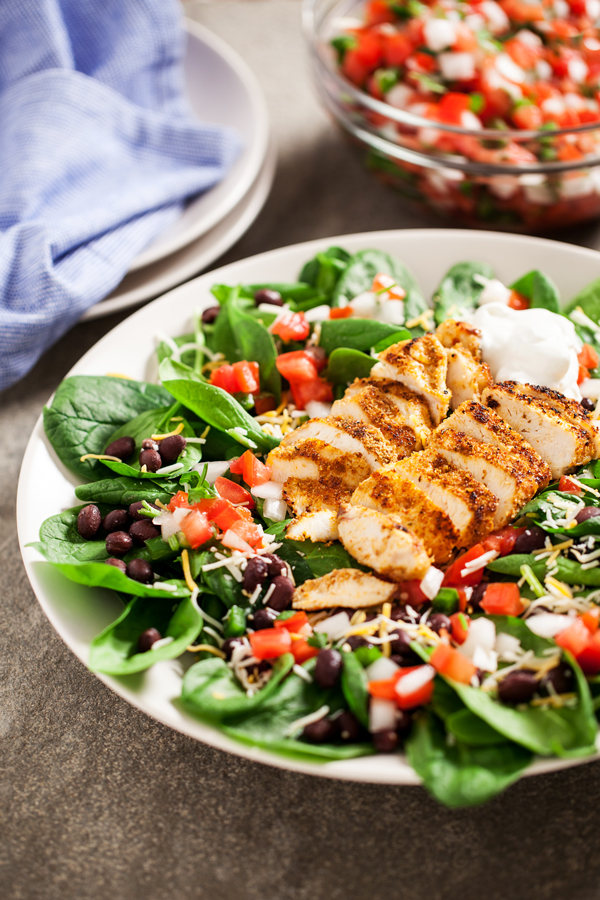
533	346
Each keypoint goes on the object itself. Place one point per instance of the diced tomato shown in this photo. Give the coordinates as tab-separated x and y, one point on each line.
235	542
340	312
377	12
224	377
251	469
227	517
304	391
569	152
452	106
521	11
302	650
460	627
179	500
521	53
385	688
397	48
233	492
591	619
517	300
465	41
582	374
574	638
269	643
296	624
211	507
383	282
248	377
462	600
369	48
411	593
568	487
502	599
291	326
354	69
588	357
449	662
247	531
196	528
296	366
589	657
414	688
454	574
423	62
503	541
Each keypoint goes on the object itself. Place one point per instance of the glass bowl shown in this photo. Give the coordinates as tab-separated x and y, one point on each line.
513	180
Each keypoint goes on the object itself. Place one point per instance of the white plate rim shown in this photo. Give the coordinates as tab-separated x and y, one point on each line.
375	769
254	154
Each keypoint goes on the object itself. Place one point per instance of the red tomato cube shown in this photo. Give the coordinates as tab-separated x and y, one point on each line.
225	377
196	528
449	662
233	492
269	643
296	366
247	375
502	599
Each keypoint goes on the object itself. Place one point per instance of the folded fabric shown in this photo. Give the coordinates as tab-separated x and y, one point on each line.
98	151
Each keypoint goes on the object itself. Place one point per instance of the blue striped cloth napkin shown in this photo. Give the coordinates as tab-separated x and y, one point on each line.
98	151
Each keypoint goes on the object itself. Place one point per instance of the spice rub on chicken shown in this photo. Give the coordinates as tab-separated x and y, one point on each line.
561	443
372	406
467	375
412	408
383	543
349	588
421	366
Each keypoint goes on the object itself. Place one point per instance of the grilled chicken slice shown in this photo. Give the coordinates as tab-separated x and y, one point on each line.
349	588
470	505
466	379
314	526
563	445
421	365
382	542
344	434
389	492
478	422
506	477
454	334
412	408
371	405
567	409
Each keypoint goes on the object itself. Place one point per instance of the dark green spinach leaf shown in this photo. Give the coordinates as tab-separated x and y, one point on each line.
459	290
540	291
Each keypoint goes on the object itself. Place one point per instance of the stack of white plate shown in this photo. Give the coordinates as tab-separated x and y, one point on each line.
222	90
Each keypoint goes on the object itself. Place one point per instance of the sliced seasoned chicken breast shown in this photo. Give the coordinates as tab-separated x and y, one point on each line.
568	409
371	405
314	526
349	588
383	543
421	365
506	477
477	421
347	435
412	408
455	334
470	505
466	378
390	492
563	445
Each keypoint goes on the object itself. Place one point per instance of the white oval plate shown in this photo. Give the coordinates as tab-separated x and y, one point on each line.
45	487
221	90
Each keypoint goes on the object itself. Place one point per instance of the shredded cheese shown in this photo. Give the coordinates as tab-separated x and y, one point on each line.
161	437
425	320
99	456
206	648
187	573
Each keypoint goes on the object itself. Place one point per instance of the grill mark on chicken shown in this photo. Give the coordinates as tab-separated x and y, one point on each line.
371	405
412	408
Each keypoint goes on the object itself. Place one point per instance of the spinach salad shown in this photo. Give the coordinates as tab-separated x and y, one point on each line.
471	671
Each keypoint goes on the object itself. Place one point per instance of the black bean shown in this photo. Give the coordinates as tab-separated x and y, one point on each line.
403	724
117	563
147	638
533	538
588	404
136	515
477	596
328	668
140	570
348	727
281	596
401	614
267	296
320	732
437	621
122	448
385	741
400	646
149	444
116	520
151	459
276	565
355	641
171	448
118	543
143	531
588	512
210	315
255	573
89	521
518	687
230	644
561	679
262	618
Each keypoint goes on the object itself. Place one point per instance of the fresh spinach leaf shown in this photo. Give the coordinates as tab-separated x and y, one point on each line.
198	487
470	729
354	686
589	301
218	581
61	542
255	343
568	570
458	774
459	290
362	269
319	558
356	334
539	289
403	335
324	270
114	651
87	409
124	491
99	574
345	365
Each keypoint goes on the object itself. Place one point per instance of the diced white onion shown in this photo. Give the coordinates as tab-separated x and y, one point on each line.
270	490
439	34
495	16
506	643
318	314
482	633
457	66
578	186
316	409
381	669
486	660
383	714
275	510
415	680
335	627
399	97
179	514
548	625
168	525
213	469
432	582
392	312
364	304
509	69
235	542
503	186
525	36
468	119
590	388
578	70
543	70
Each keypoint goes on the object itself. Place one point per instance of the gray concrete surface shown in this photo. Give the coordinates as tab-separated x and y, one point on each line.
97	801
